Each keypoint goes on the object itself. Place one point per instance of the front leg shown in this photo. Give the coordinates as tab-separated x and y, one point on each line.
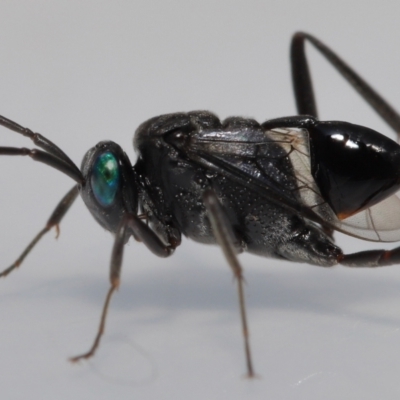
53	222
130	223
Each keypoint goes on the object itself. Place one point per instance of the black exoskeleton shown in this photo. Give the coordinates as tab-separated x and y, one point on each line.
278	189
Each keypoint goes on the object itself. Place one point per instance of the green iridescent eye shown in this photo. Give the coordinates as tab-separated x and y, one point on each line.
105	178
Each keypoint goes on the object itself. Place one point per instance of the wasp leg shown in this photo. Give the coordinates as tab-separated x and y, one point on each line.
130	224
372	258
302	83
54	221
225	238
303	89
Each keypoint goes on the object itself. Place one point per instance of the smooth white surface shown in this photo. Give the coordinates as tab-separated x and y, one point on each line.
81	72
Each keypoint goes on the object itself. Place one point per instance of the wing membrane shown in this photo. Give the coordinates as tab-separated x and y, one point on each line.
276	164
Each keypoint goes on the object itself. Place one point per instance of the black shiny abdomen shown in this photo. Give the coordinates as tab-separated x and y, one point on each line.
354	167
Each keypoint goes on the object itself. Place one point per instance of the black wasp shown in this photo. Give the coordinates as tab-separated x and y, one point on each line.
277	189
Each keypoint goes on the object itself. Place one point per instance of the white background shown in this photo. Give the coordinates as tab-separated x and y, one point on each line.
81	72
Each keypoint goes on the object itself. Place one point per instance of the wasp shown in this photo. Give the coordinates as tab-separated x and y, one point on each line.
277	189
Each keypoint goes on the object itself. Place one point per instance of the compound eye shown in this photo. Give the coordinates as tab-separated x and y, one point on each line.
105	178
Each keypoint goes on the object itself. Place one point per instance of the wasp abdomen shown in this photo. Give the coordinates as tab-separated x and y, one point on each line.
354	167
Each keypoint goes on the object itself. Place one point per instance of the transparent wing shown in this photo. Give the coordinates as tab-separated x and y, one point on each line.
276	163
